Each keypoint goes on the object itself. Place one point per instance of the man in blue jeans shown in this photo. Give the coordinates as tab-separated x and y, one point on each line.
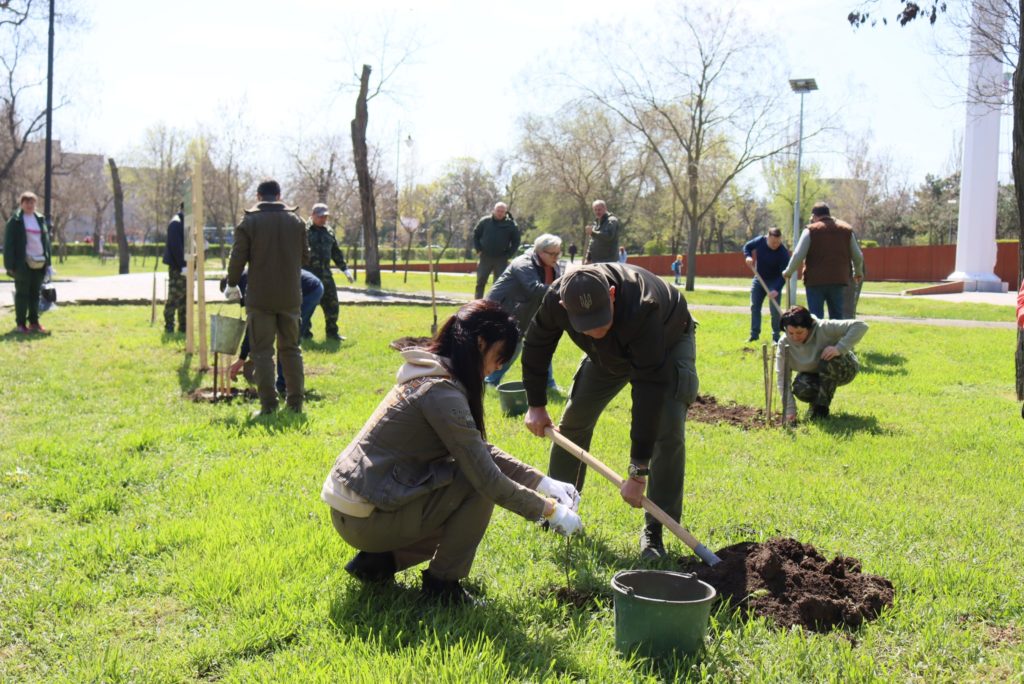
828	250
769	256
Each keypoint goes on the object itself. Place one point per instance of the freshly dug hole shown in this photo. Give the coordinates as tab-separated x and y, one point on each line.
706	409
205	394
793	584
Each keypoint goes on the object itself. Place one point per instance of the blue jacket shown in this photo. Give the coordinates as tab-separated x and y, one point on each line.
174	248
769	262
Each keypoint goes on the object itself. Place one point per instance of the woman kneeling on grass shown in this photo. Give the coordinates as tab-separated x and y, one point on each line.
419	482
822	354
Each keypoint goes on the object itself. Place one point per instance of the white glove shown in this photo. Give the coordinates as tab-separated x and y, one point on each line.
184	270
562	492
232	293
348	274
565	521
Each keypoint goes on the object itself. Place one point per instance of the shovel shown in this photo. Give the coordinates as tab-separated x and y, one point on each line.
766	290
703	552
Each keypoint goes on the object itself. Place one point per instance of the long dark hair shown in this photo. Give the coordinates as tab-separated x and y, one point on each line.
481	319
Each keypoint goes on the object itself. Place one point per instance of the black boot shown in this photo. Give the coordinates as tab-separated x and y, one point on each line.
372	567
819	411
651	546
447	591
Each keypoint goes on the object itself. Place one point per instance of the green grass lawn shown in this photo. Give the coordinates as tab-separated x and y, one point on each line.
147	538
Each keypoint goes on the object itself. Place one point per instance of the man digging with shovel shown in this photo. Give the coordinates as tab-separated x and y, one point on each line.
634	329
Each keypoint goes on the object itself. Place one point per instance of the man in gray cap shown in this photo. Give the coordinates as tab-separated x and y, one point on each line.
634	328
323	248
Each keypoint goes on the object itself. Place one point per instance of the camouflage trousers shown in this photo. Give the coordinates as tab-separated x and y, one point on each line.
819	388
176	288
329	302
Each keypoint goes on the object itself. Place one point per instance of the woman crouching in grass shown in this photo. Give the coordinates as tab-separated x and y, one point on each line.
822	354
420	480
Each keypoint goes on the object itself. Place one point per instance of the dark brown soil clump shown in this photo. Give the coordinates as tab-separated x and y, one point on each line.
403	343
706	409
205	394
580	599
793	584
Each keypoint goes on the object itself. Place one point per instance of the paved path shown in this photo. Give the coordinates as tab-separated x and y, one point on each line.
137	288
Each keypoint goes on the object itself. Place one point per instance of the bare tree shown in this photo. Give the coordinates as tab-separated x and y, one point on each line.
227	177
157	181
122	241
696	101
580	154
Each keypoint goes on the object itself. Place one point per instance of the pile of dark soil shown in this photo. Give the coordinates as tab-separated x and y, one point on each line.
403	343
205	394
706	409
793	584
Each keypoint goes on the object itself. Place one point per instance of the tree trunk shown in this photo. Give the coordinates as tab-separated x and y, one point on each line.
1017	162
367	203
694	227
122	240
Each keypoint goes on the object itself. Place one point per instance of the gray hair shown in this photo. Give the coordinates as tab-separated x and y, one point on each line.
546	241
598	203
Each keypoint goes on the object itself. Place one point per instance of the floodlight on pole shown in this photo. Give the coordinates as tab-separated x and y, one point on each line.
801	86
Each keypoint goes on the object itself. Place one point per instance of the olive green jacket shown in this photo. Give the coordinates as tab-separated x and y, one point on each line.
272	240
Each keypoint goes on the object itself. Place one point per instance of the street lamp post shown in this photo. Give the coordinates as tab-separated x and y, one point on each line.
802	86
398	212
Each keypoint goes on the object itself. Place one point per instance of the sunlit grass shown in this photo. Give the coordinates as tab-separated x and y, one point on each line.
147	538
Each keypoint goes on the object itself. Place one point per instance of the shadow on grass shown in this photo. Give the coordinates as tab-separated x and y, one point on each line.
394	618
14	336
846	424
187	380
326	345
874	363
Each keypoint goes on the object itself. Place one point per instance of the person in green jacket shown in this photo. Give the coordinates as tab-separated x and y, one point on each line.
496	239
26	258
821	352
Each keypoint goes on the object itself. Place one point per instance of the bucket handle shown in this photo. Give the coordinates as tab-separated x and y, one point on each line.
220	310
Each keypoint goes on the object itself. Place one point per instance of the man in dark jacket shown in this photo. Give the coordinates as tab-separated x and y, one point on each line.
271	239
768	256
496	239
26	258
604	236
174	257
635	329
829	251
323	248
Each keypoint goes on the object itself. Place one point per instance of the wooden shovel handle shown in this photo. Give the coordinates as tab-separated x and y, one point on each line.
648	505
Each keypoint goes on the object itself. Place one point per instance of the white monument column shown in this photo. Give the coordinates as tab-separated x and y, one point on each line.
979	182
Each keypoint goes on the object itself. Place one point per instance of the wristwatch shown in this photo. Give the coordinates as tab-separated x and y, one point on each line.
638	471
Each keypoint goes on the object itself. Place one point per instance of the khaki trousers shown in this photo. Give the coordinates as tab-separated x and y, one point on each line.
264	327
444	527
593	388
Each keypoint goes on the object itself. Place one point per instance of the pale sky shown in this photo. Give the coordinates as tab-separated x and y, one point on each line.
183	63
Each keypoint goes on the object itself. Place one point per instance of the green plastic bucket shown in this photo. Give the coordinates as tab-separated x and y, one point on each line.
658	612
512	397
225	334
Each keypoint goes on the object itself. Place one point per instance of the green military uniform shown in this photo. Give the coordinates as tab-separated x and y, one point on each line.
819	388
323	249
176	289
